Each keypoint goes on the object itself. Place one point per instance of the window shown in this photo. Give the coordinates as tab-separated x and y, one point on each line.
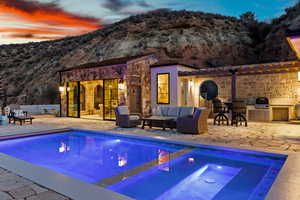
163	83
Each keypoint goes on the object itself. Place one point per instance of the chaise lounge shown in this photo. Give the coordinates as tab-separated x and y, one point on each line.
21	116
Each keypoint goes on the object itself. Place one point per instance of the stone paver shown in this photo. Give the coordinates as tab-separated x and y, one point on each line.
260	136
49	195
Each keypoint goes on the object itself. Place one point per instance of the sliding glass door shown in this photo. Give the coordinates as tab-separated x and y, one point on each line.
73	99
111	99
93	99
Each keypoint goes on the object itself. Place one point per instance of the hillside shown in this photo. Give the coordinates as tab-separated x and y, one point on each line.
276	48
193	37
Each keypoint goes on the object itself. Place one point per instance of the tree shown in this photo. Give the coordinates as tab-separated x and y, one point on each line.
248	17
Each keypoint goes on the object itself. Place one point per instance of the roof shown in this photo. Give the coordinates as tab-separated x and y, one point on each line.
293	31
246	69
172	62
114	61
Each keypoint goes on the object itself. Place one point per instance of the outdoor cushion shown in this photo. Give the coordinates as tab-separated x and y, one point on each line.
186	111
123	110
173	111
156	111
164	110
134	117
18	113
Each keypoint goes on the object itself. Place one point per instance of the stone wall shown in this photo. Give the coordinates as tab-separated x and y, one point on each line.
95	73
138	79
280	88
136	76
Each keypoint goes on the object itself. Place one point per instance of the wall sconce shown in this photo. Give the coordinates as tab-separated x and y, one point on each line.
121	85
191	83
61	88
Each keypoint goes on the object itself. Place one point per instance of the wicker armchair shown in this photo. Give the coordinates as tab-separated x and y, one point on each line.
195	124
126	120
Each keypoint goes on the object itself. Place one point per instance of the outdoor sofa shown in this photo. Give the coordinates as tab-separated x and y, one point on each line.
186	119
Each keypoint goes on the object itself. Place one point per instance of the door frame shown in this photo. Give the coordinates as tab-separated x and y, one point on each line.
78	99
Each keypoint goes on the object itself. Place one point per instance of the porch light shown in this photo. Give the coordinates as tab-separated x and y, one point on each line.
121	85
191	83
61	88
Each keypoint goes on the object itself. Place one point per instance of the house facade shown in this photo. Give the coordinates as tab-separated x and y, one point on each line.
144	82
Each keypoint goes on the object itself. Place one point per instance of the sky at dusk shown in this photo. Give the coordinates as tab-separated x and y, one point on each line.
36	20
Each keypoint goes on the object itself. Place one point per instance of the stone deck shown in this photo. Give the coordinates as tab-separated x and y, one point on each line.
271	137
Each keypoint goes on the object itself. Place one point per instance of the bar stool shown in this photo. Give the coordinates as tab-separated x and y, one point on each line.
220	109
239	109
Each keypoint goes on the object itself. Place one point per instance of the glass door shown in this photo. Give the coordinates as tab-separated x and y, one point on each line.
73	99
111	99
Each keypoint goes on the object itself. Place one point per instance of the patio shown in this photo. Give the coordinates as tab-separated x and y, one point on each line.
272	137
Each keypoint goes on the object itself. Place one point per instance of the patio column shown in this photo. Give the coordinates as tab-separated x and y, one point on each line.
233	83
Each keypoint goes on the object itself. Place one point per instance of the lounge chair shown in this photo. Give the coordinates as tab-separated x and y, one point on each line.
21	116
126	120
196	124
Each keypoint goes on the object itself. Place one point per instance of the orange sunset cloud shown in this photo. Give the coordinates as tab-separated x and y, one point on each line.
49	18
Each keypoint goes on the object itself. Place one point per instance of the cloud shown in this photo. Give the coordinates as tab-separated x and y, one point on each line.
31	36
118	5
48	14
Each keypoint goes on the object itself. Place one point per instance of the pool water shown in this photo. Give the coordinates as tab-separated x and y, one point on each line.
146	169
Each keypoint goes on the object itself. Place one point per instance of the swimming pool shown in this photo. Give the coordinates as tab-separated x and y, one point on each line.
143	168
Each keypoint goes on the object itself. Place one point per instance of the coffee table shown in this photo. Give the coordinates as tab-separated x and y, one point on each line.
157	122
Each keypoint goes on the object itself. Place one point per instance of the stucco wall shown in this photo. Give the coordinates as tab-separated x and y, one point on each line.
280	88
174	83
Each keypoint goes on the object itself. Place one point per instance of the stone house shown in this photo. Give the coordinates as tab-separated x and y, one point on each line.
143	82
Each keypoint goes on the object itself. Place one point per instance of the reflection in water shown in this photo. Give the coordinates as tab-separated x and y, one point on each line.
191	160
63	147
163	160
122	160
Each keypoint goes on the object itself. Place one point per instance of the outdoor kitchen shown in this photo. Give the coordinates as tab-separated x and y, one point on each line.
271	91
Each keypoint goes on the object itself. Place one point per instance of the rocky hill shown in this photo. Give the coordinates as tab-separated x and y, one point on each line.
205	40
275	46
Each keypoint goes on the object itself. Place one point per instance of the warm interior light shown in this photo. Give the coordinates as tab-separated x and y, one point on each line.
294	43
61	88
121	86
299	76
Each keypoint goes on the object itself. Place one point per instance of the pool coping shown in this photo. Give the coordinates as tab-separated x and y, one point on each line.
70	187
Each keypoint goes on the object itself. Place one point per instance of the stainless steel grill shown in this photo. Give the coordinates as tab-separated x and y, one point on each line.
262	103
